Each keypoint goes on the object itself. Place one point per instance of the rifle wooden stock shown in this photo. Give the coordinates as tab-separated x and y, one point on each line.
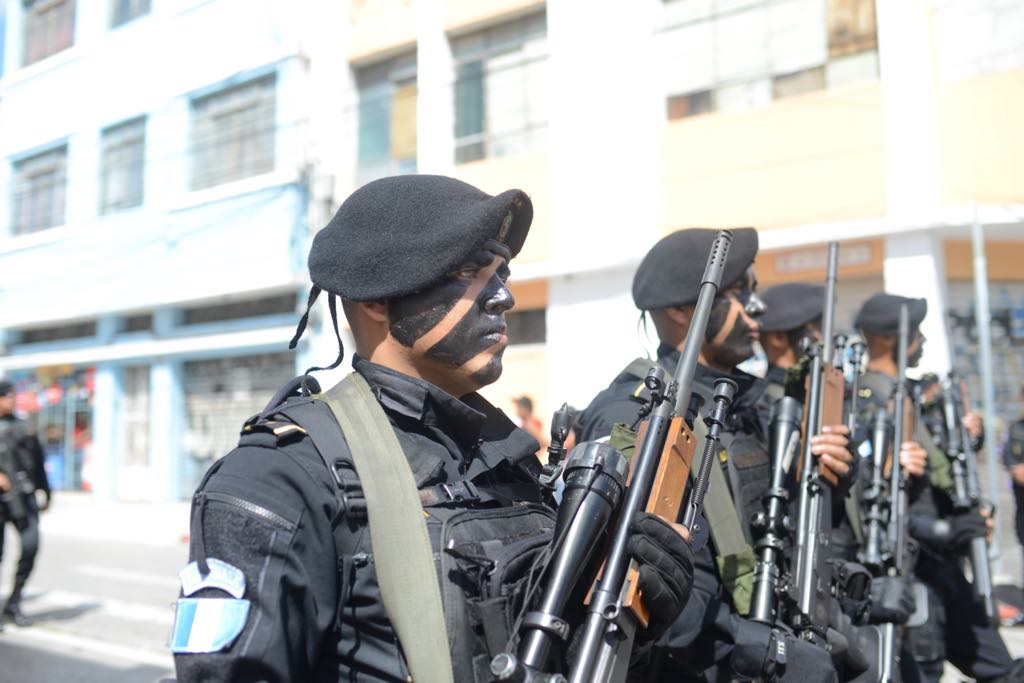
666	497
833	395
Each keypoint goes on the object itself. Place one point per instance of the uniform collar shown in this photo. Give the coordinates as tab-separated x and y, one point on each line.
422	401
475	424
668	358
775	375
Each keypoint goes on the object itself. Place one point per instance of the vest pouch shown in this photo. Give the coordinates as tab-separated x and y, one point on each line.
489	559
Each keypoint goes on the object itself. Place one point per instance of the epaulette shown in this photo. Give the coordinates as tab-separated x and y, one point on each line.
260	431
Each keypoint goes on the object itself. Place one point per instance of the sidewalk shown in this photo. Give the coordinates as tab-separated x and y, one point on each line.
83	515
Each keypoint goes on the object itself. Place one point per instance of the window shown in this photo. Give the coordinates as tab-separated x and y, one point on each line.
123	11
220	394
387	118
143	322
500	83
690	104
798	83
233	133
38	201
737	54
527	327
123	160
253	308
135	415
40	335
851	27
49	28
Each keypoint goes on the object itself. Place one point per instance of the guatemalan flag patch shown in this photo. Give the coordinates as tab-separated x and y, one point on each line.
209	624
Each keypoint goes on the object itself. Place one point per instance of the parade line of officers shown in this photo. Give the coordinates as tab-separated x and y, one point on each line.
291	575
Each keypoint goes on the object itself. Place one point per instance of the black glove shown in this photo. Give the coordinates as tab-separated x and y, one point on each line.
967	526
892	600
760	652
952	533
666	570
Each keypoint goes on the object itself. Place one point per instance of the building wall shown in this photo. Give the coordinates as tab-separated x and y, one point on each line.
180	248
807	136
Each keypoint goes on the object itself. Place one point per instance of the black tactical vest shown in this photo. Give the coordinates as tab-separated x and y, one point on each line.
488	537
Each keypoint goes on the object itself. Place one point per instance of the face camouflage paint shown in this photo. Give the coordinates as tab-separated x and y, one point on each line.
729	332
459	322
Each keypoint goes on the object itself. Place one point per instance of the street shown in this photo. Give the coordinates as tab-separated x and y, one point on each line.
101	596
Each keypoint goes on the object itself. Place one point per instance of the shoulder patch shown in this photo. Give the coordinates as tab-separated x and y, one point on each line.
207	624
222	575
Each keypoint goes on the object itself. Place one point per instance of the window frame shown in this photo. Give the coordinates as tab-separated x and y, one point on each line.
526	36
124	12
219	119
126	138
26	187
45	32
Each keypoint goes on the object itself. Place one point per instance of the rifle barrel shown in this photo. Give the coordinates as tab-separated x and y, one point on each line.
812	490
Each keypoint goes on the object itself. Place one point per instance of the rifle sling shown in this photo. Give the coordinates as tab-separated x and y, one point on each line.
735	558
402	552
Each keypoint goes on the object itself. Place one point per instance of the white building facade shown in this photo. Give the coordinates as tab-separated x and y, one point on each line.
153	227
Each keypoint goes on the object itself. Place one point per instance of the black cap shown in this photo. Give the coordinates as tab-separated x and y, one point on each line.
6	388
397	235
881	314
671	272
791	306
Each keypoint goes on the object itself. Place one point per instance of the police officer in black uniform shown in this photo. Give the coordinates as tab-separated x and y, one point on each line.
1013	458
284	582
21	475
957	629
792	313
711	640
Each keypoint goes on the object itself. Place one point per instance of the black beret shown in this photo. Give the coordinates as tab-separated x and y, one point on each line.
6	388
397	235
671	272
881	314
791	306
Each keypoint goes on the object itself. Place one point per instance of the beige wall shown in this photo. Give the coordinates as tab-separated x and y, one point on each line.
981	139
528	172
461	15
379	27
857	258
1004	260
807	159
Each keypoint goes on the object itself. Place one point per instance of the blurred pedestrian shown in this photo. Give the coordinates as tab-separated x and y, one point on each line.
530	423
21	476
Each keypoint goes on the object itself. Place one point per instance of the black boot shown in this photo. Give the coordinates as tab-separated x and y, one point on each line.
13	612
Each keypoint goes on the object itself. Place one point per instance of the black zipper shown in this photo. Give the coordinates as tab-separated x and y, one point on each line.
252	508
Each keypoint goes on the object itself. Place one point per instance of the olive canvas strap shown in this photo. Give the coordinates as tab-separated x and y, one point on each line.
401	546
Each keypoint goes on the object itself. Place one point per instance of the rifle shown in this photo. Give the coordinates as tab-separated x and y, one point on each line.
594	477
812	576
854	345
897	498
773	524
966	487
875	555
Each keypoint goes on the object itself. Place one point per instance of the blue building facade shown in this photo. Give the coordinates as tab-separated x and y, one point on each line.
153	227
